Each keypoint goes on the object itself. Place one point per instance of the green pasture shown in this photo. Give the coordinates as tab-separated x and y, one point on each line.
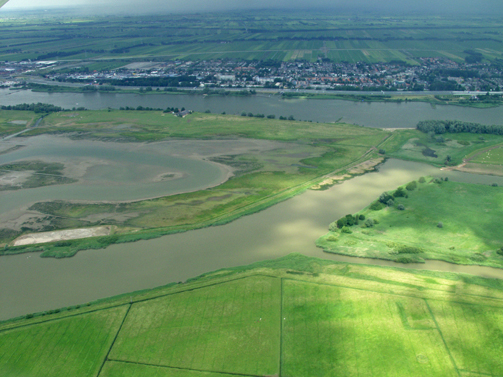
414	145
449	221
293	316
493	156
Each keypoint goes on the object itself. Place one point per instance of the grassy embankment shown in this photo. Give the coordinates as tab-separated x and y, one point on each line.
309	152
464	101
293	316
443	220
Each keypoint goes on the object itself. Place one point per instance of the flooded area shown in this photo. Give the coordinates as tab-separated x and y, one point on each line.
288	227
107	171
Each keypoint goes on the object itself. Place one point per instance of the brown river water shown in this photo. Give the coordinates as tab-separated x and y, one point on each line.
30	283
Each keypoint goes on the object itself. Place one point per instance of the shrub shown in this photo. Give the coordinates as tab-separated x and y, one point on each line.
463	142
376	221
411	186
422	180
333	227
345	229
446	179
382	151
243	114
404	249
332	238
385	197
440	225
399	193
376	206
400	207
390	203
494	185
405	259
369	223
477	257
361	217
500	251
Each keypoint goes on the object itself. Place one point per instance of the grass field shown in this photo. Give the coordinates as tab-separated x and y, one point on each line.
414	145
493	156
294	316
307	153
12	121
256	35
470	232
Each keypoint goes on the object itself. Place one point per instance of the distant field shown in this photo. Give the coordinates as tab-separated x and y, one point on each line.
294	316
449	221
266	35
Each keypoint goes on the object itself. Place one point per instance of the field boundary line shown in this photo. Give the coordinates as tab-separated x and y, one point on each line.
61	318
393	294
442	336
123	304
115	338
281	331
180	368
480	373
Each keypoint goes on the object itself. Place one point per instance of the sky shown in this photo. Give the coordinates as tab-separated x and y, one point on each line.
493	7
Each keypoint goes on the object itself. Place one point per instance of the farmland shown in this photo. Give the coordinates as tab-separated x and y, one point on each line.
254	36
443	220
294	316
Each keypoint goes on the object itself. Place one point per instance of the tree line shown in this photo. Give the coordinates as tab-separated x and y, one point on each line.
455	126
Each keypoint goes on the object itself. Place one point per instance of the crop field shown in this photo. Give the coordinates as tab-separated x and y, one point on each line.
294	316
443	220
255	35
414	145
261	179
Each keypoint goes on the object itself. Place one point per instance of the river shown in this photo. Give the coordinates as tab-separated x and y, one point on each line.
31	284
369	114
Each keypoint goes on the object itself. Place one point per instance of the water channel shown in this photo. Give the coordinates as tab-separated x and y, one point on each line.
375	114
30	283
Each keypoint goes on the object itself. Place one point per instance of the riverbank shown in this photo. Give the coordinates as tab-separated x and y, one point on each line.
426	219
431	304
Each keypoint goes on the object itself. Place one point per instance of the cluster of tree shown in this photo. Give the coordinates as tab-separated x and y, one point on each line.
455	126
139	108
182	81
349	220
473	57
35	107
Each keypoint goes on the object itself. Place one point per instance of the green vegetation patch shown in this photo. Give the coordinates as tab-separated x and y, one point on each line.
292	316
493	156
263	178
438	150
12	121
445	220
72	346
31	174
358	333
232	327
121	369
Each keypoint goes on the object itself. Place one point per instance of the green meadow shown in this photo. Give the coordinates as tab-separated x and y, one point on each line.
443	220
13	121
414	145
293	316
307	153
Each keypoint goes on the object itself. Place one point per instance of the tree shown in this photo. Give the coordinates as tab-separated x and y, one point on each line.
411	186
